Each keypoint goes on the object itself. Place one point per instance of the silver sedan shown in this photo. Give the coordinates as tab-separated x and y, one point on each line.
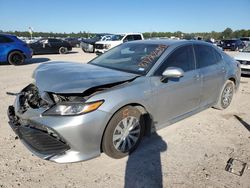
74	112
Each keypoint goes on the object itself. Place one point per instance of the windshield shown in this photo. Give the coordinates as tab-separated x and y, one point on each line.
116	37
131	57
97	36
106	38
229	41
247	49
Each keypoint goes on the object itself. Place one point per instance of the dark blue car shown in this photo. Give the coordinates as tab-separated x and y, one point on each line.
13	50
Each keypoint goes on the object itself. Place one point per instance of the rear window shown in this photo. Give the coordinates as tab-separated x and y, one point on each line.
4	39
54	40
229	41
133	37
137	37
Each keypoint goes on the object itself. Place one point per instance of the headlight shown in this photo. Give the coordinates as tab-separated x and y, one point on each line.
107	46
72	108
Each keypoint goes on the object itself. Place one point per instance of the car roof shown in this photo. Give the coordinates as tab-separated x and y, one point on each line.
128	34
170	42
7	35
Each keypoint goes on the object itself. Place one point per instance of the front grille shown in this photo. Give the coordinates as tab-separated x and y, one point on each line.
245	71
245	62
41	141
99	46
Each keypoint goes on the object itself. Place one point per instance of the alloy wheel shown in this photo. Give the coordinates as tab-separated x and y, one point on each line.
227	95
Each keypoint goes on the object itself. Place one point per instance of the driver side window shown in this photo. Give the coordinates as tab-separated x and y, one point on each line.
182	57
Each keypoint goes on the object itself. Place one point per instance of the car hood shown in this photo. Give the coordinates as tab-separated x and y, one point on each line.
68	77
243	56
90	41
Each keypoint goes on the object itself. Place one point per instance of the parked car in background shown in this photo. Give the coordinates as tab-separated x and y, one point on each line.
13	50
88	45
244	58
233	44
246	40
74	42
50	46
103	46
74	111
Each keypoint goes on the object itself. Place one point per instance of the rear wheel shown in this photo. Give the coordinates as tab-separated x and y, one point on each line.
16	58
123	133
226	95
63	50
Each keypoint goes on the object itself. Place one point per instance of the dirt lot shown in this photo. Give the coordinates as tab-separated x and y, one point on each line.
190	153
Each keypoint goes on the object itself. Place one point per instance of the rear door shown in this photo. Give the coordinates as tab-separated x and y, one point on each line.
39	46
4	44
211	66
54	45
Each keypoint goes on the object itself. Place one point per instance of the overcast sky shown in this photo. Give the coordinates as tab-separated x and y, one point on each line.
114	16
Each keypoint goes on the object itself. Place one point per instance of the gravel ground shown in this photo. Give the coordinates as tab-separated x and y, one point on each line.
190	153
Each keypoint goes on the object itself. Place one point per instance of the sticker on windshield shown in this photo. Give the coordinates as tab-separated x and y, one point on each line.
149	59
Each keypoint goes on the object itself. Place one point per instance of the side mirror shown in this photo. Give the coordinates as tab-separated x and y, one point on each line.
172	72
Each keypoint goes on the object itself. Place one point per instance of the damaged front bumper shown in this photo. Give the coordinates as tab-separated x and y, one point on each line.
36	138
62	139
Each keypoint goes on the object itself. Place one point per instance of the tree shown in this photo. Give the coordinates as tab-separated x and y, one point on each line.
227	33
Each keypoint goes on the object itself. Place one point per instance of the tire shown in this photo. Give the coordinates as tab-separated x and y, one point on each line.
16	58
63	50
226	95
123	133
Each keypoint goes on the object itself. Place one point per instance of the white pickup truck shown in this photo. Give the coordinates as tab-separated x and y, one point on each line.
115	40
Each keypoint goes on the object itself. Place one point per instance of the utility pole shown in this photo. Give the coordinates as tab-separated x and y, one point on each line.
31	32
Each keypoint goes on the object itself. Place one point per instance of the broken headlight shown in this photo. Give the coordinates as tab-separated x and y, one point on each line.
73	108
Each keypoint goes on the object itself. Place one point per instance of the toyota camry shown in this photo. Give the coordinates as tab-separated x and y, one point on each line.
73	112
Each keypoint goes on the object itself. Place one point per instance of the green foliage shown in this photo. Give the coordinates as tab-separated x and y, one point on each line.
48	34
226	34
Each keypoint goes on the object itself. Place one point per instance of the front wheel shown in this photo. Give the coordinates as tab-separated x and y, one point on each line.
123	133
16	58
226	95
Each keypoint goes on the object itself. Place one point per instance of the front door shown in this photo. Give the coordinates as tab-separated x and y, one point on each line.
176	96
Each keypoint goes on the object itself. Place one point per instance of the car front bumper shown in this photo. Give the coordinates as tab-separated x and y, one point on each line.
245	69
87	47
62	139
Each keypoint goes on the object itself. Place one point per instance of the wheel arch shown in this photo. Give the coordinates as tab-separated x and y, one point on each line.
146	117
18	50
233	79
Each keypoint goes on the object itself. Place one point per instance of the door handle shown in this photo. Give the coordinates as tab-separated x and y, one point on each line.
223	70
